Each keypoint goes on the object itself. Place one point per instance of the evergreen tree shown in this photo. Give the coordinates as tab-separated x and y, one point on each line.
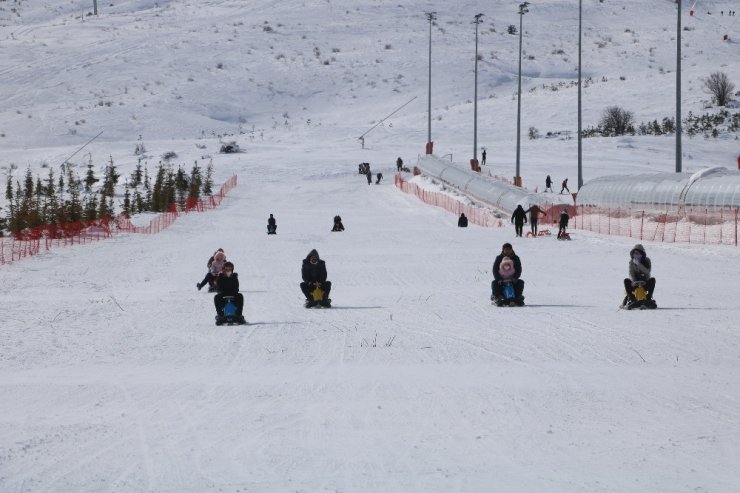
208	183
90	178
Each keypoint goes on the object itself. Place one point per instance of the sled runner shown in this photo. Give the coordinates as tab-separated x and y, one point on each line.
641	301
318	295
229	317
509	296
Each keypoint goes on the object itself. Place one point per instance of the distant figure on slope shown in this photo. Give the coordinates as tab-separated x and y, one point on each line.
313	272
534	216
399	164
215	264
519	218
548	183
483	157
507	268
564	187
338	226
463	221
379	177
369	176
227	285
640	286
271	225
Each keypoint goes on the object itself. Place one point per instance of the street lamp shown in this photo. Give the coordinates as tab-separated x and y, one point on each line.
518	179
580	148
678	89
474	161
431	17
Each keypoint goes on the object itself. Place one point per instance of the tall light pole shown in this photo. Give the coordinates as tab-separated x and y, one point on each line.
518	179
431	17
678	89
580	147
474	161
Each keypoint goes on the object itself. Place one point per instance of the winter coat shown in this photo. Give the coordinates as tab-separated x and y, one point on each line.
462	222
227	286
548	181
564	218
271	221
639	270
519	216
497	265
534	213
313	273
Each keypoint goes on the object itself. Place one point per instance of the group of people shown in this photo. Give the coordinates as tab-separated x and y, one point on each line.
507	271
519	219
272	230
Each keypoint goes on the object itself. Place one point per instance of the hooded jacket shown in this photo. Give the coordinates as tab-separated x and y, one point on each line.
506	269
519	216
639	270
313	272
216	263
227	285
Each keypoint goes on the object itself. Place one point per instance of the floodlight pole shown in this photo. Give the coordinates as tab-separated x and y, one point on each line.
517	179
580	146
431	16
95	7
475	97
678	89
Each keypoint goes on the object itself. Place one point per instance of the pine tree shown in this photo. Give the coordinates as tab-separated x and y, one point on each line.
127	201
208	184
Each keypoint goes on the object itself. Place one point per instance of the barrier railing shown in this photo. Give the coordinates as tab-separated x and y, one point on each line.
43	238
700	226
476	215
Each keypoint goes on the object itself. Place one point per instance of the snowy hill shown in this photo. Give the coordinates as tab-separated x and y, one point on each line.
114	377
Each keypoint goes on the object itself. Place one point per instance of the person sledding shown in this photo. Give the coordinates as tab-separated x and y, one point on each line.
215	264
315	287
563	225
227	287
507	270
640	286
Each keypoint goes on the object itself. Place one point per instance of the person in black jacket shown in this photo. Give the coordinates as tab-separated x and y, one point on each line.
519	218
497	284
338	226
463	221
271	225
563	223
313	272
227	284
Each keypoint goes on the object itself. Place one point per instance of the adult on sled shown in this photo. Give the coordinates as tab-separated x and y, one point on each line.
271	225
338	226
462	222
215	264
563	225
519	218
227	285
508	273
640	285
313	272
534	217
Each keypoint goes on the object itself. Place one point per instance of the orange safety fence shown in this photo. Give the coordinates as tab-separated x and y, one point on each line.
701	226
476	215
32	241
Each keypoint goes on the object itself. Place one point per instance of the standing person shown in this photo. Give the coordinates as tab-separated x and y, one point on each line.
639	275
313	272
548	183
463	221
399	164
499	279
271	225
227	284
534	216
483	156
565	186
379	177
369	176
563	223
519	218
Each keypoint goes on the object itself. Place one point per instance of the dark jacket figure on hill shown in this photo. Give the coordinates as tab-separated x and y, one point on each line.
564	187
271	225
548	183
399	164
507	251
463	221
313	272
379	177
519	218
563	222
483	157
369	176
227	284
338	226
534	217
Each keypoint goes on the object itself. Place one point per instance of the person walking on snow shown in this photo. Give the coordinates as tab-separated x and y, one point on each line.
565	186
519	218
483	156
399	164
563	223
534	214
548	183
